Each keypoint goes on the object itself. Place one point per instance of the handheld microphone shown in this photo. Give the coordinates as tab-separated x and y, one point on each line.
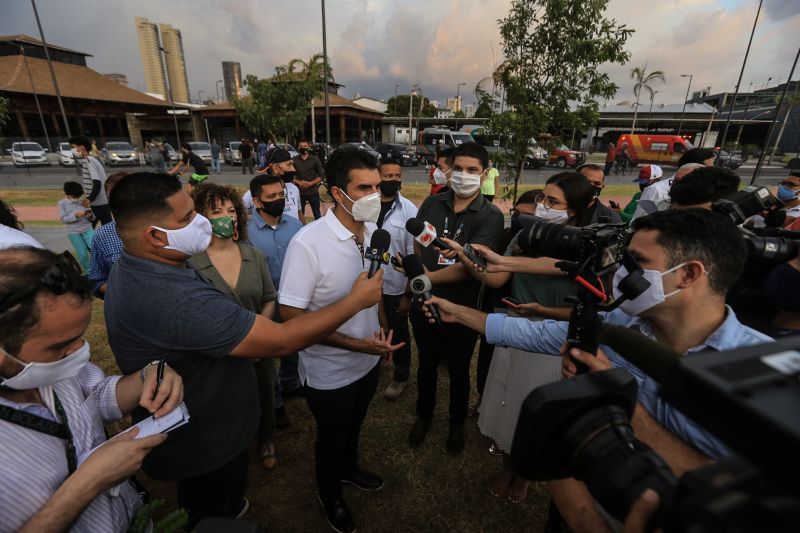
420	283
652	358
424	233
378	251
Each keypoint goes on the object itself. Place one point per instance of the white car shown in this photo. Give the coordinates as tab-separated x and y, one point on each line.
201	149
65	158
28	153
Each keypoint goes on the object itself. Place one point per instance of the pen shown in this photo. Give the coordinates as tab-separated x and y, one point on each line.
159	374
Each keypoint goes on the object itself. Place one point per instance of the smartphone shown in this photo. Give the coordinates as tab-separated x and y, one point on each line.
613	204
510	302
474	255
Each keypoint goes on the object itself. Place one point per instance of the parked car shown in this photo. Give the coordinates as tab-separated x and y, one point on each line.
119	154
28	153
727	160
289	148
203	150
563	157
364	146
430	139
659	149
231	153
400	152
64	154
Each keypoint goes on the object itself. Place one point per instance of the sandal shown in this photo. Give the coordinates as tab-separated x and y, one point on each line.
268	459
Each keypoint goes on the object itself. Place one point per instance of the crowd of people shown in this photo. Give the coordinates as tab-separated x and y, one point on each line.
228	303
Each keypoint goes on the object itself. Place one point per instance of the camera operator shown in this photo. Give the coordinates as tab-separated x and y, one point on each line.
54	402
702	187
691	257
789	194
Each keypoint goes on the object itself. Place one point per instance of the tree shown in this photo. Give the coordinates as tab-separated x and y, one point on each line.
397	106
486	94
553	51
3	111
643	81
311	70
278	104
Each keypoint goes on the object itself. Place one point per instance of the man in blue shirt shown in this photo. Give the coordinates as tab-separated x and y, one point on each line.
270	231
106	247
692	258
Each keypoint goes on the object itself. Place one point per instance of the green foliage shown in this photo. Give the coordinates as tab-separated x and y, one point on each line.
173	522
4	104
398	106
553	51
280	104
643	81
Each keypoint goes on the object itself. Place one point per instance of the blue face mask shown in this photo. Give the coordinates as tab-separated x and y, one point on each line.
785	194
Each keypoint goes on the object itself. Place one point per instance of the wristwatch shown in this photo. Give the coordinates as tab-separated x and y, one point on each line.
144	369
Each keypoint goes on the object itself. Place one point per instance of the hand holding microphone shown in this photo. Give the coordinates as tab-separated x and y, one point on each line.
425	234
420	283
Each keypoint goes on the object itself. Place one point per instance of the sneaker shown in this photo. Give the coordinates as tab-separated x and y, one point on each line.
282	420
394	390
418	431
339	516
455	439
364	480
244	508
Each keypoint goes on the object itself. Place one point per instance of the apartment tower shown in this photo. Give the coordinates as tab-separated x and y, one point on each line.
149	44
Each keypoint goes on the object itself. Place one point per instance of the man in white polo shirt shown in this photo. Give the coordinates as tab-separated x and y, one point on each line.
340	374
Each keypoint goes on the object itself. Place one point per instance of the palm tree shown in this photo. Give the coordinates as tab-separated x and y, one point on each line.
652	97
643	81
313	69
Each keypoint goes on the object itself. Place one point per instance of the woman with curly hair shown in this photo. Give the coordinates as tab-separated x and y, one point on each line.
240	271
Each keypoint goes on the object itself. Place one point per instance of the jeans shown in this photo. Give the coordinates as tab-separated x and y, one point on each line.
217	493
339	414
312	199
265	377
82	243
215	164
398	323
456	343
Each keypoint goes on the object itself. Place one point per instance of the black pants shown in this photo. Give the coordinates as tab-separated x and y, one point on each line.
398	323
102	213
312	199
607	169
339	414
454	342
218	493
247	165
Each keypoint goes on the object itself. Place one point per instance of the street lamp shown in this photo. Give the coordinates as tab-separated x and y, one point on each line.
200	96
52	70
411	113
325	84
35	97
216	86
171	102
458	100
688	88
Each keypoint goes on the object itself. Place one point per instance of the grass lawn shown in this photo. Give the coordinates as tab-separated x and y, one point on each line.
426	489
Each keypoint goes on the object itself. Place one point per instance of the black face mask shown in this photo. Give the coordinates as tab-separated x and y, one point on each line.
303	151
288	177
389	188
597	191
274	208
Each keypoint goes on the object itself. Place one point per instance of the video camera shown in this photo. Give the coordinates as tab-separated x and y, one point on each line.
746	397
587	253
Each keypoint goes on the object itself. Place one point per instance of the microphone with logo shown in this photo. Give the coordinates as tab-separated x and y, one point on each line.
424	233
420	283
378	251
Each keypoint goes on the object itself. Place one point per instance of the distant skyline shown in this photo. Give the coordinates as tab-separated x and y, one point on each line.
375	44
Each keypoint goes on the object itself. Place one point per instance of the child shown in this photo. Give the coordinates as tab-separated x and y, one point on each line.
78	219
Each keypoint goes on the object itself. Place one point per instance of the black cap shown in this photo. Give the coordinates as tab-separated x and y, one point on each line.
279	155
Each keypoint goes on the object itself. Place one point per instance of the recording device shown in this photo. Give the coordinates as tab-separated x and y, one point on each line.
746	397
588	253
378	251
420	283
475	256
424	233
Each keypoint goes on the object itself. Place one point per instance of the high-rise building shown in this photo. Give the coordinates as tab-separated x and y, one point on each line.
176	62
469	110
232	79
454	104
122	79
149	44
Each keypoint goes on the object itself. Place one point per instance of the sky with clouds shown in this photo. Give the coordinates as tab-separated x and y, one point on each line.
375	44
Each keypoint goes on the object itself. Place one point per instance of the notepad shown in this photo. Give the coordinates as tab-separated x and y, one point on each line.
164	424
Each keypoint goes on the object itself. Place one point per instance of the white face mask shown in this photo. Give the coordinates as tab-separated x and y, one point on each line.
439	176
366	209
550	214
653	296
192	239
465	184
36	375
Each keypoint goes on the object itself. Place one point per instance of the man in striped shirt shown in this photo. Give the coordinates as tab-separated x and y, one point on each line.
54	402
93	177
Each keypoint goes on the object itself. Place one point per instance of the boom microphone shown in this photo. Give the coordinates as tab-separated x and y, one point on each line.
424	233
652	358
420	283
378	251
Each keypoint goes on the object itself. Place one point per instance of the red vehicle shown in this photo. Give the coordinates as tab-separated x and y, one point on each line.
563	157
659	149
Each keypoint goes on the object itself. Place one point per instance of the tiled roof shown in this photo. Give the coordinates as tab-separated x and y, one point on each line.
30	40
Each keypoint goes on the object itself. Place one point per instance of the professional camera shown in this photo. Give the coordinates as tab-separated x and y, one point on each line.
588	254
746	397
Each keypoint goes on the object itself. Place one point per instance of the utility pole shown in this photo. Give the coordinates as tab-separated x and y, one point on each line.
410	114
458	99
52	70
171	102
325	85
35	97
688	88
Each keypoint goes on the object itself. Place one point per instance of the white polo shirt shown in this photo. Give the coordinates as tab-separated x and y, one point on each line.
654	197
321	265
292	201
394	222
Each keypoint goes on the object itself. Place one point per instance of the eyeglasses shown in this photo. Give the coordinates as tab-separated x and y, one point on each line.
550	202
62	277
790	184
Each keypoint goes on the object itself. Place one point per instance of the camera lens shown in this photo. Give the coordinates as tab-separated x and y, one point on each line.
545	239
776	249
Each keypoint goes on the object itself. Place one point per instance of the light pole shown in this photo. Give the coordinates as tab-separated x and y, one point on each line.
216	86
396	86
200	96
52	71
688	88
410	114
171	102
35	97
325	83
458	100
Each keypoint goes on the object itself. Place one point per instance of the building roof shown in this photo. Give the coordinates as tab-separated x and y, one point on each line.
644	107
334	100
30	40
74	81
